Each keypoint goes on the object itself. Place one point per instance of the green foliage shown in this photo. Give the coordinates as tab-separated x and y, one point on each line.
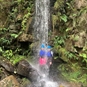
76	38
76	77
1	0
25	18
83	79
19	1
7	40
71	55
0	70
58	4
27	15
16	58
69	6
54	19
59	46
7	54
64	18
4	41
73	73
84	56
3	30
68	29
25	81
72	76
59	41
1	50
14	35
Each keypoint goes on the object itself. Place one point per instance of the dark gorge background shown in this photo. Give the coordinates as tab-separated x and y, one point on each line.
68	36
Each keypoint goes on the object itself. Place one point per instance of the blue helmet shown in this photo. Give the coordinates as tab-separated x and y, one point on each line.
43	46
49	47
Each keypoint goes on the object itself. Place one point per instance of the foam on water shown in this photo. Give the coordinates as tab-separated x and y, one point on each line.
44	80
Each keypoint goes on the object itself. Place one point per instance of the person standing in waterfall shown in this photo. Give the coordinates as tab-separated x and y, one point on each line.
42	55
42	59
49	55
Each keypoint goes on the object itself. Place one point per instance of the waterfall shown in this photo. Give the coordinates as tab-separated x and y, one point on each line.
41	22
41	27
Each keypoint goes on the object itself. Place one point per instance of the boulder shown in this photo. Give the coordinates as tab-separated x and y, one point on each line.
9	81
7	65
25	69
70	84
25	38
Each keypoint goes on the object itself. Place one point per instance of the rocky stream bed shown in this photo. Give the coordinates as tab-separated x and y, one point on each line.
24	75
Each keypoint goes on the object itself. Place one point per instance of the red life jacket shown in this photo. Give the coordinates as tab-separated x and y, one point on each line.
42	61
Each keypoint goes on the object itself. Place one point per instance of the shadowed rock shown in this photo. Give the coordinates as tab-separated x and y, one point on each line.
7	65
25	69
9	81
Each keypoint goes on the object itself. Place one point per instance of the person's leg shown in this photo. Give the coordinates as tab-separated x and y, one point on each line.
49	62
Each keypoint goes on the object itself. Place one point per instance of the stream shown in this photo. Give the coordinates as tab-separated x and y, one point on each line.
45	80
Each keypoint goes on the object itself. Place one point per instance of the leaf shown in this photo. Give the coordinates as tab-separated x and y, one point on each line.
83	55
1	49
55	57
68	29
64	18
14	35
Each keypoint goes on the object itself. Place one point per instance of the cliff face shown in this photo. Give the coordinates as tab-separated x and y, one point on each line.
15	23
69	22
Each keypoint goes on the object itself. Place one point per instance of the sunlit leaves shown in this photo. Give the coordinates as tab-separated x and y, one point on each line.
59	40
84	56
7	54
64	18
14	35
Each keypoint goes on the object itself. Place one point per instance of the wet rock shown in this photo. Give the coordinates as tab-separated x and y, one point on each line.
25	69
80	3
81	39
19	17
9	81
12	26
25	37
71	84
7	65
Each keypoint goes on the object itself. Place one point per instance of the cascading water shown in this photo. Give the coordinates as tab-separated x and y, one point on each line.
42	21
41	27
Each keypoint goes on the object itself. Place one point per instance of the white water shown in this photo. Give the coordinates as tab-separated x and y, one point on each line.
41	23
44	81
41	27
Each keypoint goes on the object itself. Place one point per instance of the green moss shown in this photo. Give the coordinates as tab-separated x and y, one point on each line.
15	59
58	4
73	73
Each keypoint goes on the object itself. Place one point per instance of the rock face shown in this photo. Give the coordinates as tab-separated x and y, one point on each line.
7	65
25	37
72	84
25	69
81	39
9	81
